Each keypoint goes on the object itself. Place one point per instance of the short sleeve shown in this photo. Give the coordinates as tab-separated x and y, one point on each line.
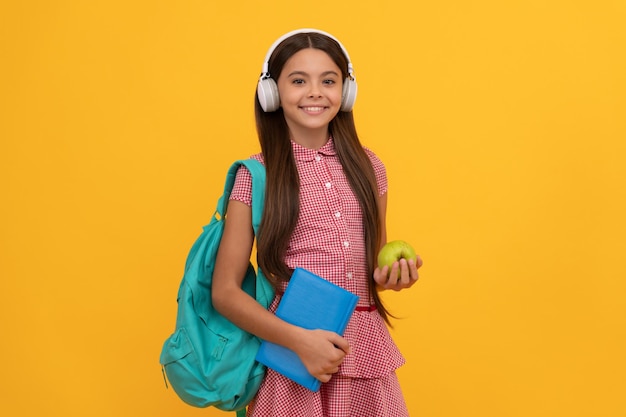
242	188
379	170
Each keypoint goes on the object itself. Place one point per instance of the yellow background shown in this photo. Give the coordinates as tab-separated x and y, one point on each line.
502	125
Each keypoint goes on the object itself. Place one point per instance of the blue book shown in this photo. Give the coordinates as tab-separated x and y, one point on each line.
313	303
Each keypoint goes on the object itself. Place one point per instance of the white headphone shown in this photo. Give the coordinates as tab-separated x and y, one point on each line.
267	90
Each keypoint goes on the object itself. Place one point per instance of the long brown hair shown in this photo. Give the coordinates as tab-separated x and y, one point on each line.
282	183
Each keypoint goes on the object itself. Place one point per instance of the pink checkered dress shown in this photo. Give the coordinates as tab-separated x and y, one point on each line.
328	240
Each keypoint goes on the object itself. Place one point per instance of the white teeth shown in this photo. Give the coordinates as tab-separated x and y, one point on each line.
313	109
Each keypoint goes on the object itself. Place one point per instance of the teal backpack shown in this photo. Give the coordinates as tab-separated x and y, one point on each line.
208	360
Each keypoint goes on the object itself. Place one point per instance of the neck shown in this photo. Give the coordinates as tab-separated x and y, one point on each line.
310	139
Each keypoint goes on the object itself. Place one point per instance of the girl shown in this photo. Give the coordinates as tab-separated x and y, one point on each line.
324	211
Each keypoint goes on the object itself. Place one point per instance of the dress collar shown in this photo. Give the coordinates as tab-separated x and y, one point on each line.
306	154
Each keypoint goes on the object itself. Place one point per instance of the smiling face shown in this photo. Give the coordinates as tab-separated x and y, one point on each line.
310	88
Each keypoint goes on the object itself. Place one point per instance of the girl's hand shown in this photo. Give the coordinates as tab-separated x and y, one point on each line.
321	352
390	279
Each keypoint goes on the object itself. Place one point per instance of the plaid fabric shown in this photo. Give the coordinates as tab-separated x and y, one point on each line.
329	241
340	397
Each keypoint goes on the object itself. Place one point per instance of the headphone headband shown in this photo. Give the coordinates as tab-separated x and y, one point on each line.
265	73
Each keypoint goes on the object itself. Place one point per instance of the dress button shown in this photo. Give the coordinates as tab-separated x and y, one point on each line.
349	275
346	243
337	214
318	158
328	185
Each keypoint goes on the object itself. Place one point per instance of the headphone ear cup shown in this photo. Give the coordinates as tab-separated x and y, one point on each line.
267	91
349	95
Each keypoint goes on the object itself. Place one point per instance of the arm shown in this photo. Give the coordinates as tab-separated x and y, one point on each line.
317	348
389	280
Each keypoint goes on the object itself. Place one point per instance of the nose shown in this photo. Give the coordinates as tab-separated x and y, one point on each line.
314	91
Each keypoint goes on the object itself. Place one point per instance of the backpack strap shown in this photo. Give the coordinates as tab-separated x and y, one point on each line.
257	170
258	191
264	290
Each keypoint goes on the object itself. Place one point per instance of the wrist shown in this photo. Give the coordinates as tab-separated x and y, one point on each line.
294	337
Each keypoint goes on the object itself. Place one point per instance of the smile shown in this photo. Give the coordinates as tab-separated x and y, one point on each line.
313	109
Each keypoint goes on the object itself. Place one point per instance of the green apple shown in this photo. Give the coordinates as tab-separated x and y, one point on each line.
394	251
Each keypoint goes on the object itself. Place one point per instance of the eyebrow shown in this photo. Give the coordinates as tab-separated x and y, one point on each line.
324	74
